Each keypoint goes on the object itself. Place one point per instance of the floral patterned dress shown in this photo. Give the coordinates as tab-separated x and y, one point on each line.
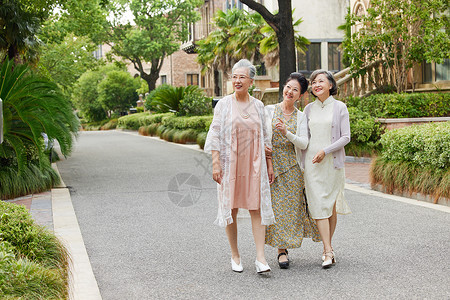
293	222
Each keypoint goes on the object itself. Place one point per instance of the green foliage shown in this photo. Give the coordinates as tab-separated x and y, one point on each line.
65	61
32	106
194	103
426	146
199	123
404	176
346	28
241	34
399	33
188	100
85	94
201	139
18	28
365	134
117	91
31	179
403	105
33	262
157	30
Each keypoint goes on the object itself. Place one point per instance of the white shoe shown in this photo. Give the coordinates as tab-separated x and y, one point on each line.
261	268
329	260
236	267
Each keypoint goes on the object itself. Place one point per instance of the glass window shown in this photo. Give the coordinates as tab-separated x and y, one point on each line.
427	72
191	79
309	61
163	79
334	57
443	70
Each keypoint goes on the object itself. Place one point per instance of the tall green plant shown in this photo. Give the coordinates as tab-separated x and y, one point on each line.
32	106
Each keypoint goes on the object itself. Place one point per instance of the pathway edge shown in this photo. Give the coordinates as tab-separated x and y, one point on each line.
83	285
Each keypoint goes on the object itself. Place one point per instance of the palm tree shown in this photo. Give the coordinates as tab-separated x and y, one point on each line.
32	106
270	48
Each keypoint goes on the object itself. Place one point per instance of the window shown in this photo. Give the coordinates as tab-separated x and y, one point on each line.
191	79
443	70
163	79
433	72
334	57
230	4
309	61
98	53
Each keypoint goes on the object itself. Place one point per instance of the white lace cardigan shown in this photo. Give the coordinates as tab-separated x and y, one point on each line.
219	138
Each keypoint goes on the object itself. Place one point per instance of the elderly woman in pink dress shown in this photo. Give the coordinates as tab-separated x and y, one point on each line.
236	139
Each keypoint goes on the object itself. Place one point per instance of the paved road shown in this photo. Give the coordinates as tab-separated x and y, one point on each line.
146	242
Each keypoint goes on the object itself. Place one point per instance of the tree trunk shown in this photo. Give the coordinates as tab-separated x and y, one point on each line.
287	45
282	25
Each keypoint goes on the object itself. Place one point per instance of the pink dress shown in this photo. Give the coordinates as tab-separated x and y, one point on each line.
245	163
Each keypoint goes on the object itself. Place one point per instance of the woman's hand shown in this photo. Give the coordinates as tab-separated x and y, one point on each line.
270	171
217	173
318	157
268	152
281	126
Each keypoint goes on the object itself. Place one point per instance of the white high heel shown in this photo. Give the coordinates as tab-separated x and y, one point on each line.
329	260
261	268
236	267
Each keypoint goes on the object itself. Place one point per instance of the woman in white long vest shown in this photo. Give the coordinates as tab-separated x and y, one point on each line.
236	139
328	132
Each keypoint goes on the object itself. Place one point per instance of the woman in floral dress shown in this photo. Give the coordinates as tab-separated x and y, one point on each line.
289	137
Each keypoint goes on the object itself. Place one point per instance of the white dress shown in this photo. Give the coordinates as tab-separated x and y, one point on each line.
324	183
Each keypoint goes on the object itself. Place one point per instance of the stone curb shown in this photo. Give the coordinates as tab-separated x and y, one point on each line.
82	282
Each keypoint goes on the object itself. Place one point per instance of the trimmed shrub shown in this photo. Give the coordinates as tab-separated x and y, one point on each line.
415	159
365	134
425	145
111	124
201	139
199	123
194	103
403	105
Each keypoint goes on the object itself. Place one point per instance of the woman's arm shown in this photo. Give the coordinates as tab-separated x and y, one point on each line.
344	134
300	139
217	169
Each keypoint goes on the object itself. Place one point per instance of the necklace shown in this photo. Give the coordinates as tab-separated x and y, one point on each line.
243	115
285	113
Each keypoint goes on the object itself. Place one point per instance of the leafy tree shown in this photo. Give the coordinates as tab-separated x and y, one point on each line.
117	91
400	33
281	23
155	32
240	34
85	94
66	61
236	36
20	22
31	106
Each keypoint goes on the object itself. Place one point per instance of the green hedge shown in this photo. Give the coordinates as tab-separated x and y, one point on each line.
415	159
33	262
365	134
199	123
425	145
137	120
413	105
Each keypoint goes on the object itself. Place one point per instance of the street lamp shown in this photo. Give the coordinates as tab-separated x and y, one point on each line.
1	121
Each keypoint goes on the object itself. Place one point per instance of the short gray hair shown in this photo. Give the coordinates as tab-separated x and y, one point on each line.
330	77
245	63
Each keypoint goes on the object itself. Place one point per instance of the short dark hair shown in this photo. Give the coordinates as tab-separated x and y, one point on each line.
330	77
301	80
